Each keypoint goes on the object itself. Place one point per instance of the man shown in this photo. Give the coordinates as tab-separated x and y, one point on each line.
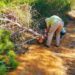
54	26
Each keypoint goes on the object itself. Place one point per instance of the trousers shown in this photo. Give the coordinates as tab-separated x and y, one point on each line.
54	29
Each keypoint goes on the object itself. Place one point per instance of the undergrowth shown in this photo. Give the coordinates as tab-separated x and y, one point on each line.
7	55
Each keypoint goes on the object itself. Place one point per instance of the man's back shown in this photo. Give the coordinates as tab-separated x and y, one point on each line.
52	20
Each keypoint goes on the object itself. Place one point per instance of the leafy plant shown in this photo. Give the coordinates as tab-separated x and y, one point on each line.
3	69
13	63
5	43
7	1
7	54
2	4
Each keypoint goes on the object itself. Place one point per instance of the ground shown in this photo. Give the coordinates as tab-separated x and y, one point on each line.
40	60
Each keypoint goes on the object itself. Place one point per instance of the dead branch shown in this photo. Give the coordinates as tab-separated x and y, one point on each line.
5	19
24	28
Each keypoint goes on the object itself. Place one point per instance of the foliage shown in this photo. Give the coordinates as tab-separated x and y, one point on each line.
47	8
3	69
5	43
7	55
12	62
22	12
72	4
20	2
11	54
2	4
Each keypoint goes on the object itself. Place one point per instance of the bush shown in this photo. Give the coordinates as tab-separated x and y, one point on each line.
3	69
2	4
20	2
7	1
5	43
47	8
12	62
7	55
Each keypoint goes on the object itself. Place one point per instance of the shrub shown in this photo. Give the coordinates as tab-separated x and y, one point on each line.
7	55
47	8
20	2
5	43
2	4
7	1
21	14
12	62
3	69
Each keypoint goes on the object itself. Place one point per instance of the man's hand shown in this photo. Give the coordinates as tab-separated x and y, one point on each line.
40	39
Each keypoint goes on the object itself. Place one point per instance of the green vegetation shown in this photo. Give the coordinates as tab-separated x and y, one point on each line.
73	4
26	12
46	8
3	69
5	43
12	62
7	55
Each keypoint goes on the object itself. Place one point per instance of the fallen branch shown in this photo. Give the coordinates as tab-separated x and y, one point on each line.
5	19
24	28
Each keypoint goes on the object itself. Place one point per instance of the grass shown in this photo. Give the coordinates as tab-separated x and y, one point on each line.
73	4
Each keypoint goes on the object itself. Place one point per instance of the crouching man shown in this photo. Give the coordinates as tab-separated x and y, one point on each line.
55	25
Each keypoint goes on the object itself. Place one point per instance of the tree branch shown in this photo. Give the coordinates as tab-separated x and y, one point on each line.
27	29
5	19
